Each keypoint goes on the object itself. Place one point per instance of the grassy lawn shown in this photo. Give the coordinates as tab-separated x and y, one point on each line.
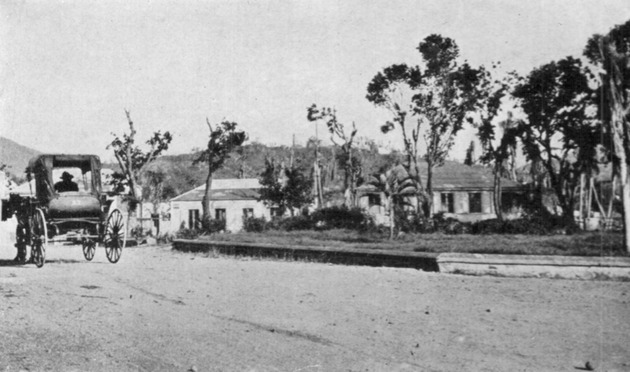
582	244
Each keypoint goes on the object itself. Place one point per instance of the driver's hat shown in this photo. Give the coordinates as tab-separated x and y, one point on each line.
66	176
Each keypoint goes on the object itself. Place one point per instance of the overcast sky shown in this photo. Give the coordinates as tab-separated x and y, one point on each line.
70	68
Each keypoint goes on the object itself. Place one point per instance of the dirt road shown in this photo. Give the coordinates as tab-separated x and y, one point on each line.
161	310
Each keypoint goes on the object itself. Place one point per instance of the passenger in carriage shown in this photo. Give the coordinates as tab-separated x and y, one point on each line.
66	183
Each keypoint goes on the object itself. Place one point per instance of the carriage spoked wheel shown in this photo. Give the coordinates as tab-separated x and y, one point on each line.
115	236
89	248
39	238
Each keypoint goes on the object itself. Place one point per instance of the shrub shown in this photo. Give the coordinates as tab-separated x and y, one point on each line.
492	226
253	224
215	226
340	217
189	234
405	221
164	238
455	227
530	225
295	223
139	233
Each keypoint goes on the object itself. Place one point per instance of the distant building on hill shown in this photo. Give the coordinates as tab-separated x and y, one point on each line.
459	191
230	200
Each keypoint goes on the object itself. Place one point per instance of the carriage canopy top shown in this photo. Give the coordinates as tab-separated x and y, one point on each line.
42	167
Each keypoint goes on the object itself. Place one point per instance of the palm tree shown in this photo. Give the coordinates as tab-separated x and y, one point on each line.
394	183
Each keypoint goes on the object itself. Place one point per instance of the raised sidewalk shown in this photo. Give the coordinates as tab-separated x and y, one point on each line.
562	267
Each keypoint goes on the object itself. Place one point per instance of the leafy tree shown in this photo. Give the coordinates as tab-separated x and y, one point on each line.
499	155
441	97
298	189
132	159
559	132
611	52
224	138
343	140
393	89
285	188
489	102
271	192
156	186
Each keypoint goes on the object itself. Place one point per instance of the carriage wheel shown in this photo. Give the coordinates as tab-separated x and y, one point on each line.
39	238
89	247
115	235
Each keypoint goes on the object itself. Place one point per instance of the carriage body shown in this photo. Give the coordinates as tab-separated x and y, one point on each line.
52	212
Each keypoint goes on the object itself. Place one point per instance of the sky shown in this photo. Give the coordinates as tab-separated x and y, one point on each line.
69	69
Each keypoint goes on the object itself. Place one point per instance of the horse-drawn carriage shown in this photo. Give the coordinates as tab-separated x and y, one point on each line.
67	210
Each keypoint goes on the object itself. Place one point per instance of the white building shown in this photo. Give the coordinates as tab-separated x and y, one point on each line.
230	199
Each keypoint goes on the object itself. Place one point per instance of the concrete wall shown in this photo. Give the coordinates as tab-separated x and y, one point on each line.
233	211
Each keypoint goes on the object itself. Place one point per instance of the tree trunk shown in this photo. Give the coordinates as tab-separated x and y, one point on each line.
420	205
496	197
429	201
205	202
620	129
349	180
391	217
625	199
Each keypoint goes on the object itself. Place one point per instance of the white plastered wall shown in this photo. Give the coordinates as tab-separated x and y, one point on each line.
233	211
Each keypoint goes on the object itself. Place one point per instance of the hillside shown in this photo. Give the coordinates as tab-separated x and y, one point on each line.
182	175
15	157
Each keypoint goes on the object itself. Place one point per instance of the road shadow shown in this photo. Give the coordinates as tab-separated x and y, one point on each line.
11	263
5	263
63	260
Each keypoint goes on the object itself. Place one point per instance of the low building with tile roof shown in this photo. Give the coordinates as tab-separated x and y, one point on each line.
459	191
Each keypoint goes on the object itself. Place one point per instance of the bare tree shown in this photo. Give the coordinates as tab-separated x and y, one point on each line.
132	159
224	138
343	140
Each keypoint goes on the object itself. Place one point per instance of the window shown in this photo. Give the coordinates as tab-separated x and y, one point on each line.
275	212
374	199
248	212
448	204
219	214
474	202
193	217
69	179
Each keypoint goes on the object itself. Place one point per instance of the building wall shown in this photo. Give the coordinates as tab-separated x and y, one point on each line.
378	212
233	210
461	201
461	206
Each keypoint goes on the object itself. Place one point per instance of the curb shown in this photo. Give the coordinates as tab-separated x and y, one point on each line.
521	266
361	257
561	267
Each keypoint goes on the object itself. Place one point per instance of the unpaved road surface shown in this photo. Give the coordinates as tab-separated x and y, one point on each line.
163	310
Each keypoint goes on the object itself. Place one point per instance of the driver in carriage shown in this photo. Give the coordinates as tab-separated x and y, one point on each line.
66	183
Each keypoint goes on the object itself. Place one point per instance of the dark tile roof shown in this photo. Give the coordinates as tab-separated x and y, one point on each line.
458	176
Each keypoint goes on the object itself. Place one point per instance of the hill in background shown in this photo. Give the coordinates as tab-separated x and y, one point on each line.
182	175
15	157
